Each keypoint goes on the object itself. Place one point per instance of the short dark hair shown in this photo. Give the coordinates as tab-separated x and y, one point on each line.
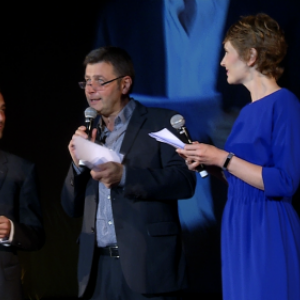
262	33
117	57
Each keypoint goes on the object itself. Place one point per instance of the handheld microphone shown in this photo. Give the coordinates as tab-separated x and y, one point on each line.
90	114
177	122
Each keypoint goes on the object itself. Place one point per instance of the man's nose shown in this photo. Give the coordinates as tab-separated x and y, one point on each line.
90	88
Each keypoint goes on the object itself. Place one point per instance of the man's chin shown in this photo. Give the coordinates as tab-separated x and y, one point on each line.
95	105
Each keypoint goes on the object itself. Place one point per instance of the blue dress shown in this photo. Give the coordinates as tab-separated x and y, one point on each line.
261	229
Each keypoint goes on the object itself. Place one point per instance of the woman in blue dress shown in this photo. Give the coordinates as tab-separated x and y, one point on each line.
261	162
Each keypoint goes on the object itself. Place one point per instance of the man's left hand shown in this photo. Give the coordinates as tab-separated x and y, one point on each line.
109	173
5	227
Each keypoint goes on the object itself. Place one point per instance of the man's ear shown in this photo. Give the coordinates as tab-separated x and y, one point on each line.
126	85
252	57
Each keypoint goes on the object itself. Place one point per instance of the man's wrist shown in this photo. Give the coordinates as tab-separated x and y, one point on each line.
123	178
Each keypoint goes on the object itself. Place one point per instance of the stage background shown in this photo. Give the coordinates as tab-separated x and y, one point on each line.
176	46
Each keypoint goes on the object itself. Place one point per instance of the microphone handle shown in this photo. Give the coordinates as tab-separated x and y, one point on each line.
186	133
200	169
88	125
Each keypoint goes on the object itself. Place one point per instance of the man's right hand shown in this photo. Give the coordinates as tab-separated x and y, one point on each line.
80	132
5	227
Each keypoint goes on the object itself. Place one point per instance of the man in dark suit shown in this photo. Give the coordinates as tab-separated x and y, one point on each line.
20	216
130	243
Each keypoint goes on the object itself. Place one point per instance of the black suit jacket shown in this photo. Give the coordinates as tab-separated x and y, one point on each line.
145	210
19	202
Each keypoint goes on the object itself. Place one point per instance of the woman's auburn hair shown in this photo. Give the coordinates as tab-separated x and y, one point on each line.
262	33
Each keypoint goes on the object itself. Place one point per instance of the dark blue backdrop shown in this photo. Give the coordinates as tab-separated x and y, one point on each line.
176	46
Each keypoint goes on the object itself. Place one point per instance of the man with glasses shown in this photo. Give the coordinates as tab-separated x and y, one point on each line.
130	243
20	216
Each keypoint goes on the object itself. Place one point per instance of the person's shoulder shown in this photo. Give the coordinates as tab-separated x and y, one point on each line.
285	97
161	111
285	93
156	110
16	160
286	104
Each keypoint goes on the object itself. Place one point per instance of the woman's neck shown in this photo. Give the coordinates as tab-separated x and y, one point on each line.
261	86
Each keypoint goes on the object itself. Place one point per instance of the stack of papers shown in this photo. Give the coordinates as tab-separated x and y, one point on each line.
93	154
166	136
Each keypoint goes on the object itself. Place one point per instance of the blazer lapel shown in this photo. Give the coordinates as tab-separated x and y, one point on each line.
3	167
139	116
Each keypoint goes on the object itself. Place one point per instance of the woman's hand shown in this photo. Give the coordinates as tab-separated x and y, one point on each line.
199	153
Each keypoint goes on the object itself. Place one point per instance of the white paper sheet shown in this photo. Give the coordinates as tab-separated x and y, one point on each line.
166	136
93	154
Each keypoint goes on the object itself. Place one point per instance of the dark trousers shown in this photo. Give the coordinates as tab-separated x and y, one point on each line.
107	283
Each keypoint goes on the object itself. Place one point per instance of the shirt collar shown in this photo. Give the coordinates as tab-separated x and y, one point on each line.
125	114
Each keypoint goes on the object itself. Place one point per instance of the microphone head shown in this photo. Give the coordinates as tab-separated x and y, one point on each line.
177	121
90	113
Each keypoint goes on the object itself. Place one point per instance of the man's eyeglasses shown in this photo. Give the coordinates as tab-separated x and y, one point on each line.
98	82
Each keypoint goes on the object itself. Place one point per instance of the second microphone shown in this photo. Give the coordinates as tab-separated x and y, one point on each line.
178	122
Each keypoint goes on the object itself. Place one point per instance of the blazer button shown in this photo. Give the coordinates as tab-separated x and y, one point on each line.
92	229
72	182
